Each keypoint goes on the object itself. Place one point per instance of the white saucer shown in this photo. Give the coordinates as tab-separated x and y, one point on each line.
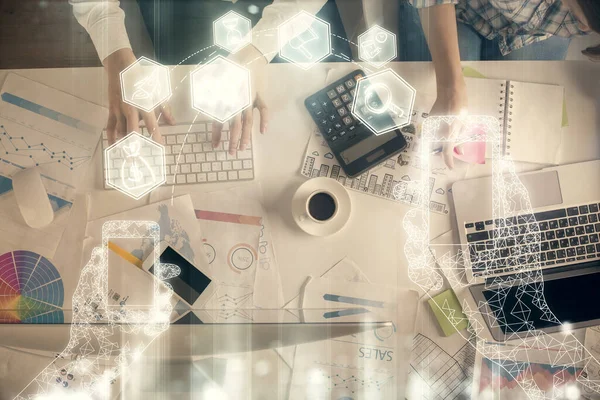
299	206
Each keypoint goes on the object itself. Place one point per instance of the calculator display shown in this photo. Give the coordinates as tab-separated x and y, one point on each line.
363	147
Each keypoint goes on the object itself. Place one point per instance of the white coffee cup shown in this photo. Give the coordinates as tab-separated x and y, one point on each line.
331	211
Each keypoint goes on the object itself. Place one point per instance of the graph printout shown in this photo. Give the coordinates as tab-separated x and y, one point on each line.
55	132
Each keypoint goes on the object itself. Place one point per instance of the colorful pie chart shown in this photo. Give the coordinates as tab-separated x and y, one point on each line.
31	289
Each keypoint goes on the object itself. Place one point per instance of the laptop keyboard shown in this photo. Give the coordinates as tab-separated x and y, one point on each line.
199	162
551	237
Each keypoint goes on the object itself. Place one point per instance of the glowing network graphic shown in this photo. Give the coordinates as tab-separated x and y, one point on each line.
377	46
510	198
384	101
232	31
135	165
304	40
145	84
220	89
105	340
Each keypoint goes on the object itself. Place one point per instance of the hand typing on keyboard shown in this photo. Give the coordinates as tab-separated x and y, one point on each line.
122	117
240	126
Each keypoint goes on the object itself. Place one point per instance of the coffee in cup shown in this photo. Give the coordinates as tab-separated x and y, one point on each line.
321	206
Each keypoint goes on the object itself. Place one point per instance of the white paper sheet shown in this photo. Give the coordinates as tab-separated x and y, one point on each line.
231	235
50	129
345	270
369	365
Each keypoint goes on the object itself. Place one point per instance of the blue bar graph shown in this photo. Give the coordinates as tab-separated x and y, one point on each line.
48	113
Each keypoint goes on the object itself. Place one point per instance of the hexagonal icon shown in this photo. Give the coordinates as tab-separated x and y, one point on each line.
145	84
232	31
377	46
135	165
304	40
384	101
220	88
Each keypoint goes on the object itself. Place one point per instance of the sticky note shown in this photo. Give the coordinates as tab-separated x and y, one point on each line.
448	312
565	116
472	73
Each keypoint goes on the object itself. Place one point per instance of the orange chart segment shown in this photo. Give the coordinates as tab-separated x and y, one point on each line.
8	309
7	290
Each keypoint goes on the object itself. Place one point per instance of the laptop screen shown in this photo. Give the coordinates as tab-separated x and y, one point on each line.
571	296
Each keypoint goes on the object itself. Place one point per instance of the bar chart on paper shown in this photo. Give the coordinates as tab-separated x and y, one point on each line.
44	128
31	289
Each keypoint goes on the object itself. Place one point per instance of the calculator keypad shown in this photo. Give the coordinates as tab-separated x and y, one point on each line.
332	110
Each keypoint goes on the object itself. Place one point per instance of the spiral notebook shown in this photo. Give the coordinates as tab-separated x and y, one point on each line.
530	115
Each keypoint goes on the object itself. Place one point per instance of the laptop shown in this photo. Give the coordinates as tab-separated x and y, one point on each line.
565	204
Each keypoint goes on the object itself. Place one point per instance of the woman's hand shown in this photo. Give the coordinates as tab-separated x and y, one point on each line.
450	101
124	118
240	126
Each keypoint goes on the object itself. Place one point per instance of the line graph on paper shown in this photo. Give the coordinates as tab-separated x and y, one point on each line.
445	376
233	303
353	381
36	153
61	165
46	128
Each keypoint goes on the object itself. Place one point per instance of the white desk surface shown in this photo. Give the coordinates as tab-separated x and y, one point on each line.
374	236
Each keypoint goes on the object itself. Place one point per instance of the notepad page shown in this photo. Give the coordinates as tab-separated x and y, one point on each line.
487	97
533	126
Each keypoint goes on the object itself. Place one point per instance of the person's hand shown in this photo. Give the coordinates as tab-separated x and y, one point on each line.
122	117
450	101
240	126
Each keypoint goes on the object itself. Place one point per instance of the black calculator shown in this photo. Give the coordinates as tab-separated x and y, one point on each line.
353	144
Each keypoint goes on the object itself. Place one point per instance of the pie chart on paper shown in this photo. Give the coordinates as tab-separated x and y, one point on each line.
31	289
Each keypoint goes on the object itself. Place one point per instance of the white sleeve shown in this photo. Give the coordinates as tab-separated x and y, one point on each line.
105	22
264	33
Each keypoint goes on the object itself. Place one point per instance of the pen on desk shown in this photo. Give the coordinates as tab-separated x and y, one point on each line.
124	254
353	300
345	313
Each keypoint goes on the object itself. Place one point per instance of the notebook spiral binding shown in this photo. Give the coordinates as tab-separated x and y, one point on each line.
505	113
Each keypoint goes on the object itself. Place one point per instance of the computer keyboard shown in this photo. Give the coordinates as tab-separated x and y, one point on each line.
191	159
552	237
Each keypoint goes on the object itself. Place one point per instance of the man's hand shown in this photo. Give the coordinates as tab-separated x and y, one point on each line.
122	117
240	126
451	101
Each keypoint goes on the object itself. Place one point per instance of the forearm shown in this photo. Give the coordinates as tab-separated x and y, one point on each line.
439	25
104	20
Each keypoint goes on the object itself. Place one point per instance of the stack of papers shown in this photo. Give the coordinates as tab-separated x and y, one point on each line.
55	132
368	365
